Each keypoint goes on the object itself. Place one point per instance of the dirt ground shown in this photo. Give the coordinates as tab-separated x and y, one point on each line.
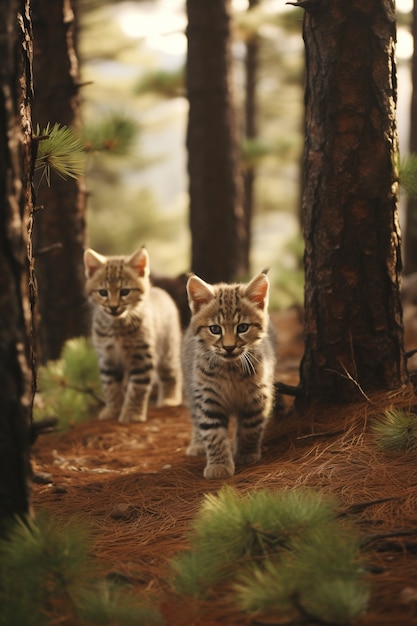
140	491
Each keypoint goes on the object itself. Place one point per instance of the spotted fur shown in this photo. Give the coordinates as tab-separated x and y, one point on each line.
136	333
229	364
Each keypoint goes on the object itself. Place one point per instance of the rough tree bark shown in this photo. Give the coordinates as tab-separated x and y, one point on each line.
16	264
251	73
216	212
60	227
410	240
353	315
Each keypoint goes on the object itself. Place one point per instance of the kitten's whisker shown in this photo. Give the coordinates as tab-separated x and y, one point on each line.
247	365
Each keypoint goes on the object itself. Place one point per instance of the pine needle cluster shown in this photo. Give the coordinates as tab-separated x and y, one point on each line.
69	388
408	174
396	430
279	555
114	133
60	150
167	84
46	578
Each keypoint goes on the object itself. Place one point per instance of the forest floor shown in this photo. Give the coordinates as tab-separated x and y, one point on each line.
140	491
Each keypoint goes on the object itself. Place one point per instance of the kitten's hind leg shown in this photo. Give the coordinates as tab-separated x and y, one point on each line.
135	407
169	387
112	385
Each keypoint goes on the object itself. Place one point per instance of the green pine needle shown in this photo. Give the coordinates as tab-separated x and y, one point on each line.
277	554
47	577
109	604
51	559
335	600
396	430
115	133
69	388
408	174
164	83
253	151
61	151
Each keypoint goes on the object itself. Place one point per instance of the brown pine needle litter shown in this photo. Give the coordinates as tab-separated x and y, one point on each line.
139	491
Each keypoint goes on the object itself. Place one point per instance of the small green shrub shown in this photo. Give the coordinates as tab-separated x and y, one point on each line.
69	388
396	430
280	555
47	577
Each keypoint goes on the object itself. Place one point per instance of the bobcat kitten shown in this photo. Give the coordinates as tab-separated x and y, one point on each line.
228	364
136	333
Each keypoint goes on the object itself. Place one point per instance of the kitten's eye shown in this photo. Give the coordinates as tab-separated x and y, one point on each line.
124	292
215	329
242	328
103	293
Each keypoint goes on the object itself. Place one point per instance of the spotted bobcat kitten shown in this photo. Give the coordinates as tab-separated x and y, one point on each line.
228	363
136	333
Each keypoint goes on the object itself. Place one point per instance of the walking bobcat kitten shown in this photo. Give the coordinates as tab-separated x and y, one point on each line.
228	364
136	334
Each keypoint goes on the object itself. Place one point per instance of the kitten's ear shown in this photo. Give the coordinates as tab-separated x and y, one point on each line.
257	291
92	262
199	293
139	261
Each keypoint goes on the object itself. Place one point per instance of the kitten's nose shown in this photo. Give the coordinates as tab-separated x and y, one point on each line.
113	310
229	349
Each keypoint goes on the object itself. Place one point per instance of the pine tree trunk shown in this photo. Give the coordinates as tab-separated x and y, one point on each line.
59	228
353	315
215	186
410	241
16	263
251	71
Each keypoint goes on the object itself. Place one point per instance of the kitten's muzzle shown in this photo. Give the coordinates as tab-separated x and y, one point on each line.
230	353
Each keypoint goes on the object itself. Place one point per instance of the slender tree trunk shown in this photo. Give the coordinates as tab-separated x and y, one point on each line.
216	204
251	72
59	228
410	243
16	264
353	315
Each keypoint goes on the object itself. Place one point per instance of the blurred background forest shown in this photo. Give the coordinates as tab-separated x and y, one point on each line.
134	55
132	60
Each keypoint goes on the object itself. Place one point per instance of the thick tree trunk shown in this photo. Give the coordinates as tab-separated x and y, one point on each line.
216	211
59	228
16	266
353	315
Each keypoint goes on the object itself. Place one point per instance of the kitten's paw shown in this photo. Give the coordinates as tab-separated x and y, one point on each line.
108	414
247	459
218	470
127	418
171	401
195	450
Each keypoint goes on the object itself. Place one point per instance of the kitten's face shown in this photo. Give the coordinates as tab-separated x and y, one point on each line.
116	284
229	320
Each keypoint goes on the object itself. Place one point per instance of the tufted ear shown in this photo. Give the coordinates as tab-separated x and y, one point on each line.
257	291
92	262
139	261
199	293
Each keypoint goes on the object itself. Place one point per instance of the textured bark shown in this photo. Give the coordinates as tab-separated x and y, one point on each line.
353	315
251	73
16	266
215	186
410	240
60	227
